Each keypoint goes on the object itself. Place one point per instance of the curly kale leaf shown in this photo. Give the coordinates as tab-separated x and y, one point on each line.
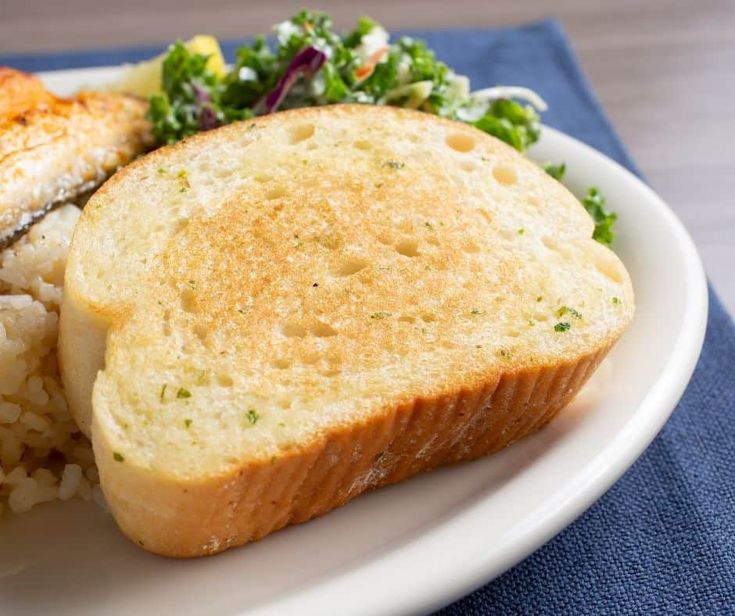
518	125
556	171
604	219
191	97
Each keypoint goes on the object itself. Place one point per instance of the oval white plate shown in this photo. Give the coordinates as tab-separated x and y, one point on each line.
417	545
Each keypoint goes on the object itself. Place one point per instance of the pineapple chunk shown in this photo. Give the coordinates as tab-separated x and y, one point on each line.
144	78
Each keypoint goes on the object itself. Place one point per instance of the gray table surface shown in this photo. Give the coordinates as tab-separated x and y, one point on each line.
664	70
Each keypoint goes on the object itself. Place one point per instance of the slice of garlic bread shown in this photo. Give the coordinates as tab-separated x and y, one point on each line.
266	320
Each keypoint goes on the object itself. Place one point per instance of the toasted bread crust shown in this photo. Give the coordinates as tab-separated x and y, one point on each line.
463	424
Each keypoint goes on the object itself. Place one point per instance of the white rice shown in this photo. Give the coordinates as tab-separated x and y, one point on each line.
43	456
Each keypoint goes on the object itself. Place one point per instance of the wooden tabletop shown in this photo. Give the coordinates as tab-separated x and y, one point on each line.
664	70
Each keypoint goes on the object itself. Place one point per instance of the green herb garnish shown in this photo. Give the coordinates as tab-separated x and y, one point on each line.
567	310
604	219
518	125
594	203
192	98
562	326
187	422
381	315
394	164
556	171
118	457
252	416
182	394
184	180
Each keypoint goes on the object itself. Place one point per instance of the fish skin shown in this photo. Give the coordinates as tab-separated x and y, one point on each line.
54	149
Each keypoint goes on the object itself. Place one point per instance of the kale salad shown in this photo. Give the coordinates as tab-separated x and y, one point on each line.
306	63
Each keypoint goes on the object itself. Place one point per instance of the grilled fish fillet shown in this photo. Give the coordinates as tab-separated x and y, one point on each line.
54	149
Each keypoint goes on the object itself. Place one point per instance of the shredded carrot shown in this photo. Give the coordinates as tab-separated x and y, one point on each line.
365	70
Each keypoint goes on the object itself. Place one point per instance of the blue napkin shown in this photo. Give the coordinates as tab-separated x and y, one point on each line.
662	540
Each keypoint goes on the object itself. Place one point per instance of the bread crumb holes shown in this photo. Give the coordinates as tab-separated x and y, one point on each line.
351	266
275	193
460	142
224	380
408	248
323	330
301	132
291	329
505	174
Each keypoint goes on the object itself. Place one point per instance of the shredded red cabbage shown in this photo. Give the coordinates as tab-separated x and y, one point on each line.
207	119
206	115
306	62
200	93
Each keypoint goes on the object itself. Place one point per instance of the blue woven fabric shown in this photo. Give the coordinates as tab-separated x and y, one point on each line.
662	540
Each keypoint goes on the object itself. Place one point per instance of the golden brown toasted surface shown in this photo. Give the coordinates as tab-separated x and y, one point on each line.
298	308
53	149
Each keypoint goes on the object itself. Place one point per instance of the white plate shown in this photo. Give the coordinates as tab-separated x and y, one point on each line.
414	546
